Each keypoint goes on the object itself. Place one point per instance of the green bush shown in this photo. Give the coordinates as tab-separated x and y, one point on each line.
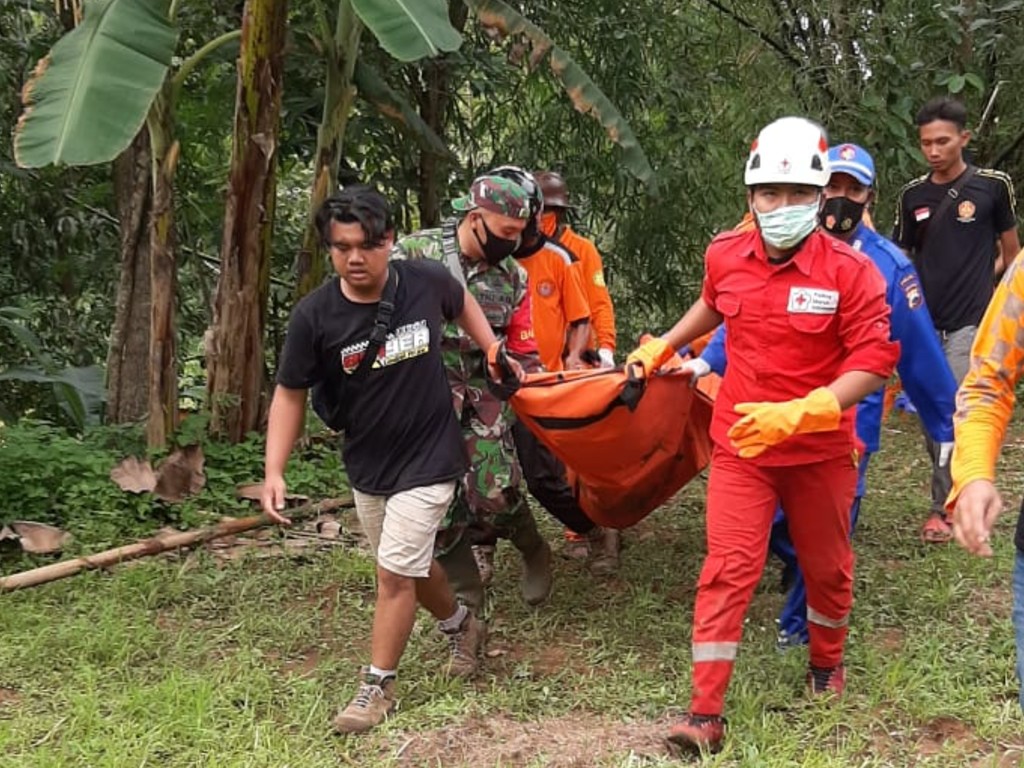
52	477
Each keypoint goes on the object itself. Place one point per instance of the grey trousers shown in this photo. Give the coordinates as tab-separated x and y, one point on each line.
957	346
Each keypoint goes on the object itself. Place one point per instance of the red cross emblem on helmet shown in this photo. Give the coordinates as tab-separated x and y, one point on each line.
785	165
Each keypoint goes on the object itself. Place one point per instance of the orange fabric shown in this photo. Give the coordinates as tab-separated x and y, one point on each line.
602	313
623	462
985	400
558	299
892	391
698	345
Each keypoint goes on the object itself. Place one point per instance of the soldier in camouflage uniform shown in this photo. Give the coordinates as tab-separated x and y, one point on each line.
477	249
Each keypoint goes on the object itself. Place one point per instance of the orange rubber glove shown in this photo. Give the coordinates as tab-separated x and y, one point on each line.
768	424
650	355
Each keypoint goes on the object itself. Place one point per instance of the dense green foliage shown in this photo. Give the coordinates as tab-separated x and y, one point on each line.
694	80
51	477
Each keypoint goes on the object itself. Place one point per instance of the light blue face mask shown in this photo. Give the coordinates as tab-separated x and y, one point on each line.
785	227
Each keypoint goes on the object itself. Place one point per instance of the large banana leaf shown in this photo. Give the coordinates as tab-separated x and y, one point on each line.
375	90
89	96
409	29
585	95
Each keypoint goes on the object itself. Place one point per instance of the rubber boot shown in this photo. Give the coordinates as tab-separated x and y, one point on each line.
536	579
463	575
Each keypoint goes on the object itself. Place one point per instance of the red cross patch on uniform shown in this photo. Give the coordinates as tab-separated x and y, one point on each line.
812	301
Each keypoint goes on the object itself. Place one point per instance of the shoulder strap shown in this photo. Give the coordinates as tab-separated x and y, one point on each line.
450	244
381	326
951	195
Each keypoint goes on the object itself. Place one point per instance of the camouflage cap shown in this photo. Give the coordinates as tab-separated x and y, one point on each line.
496	194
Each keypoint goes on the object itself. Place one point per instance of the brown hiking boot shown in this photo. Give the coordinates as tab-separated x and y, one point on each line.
698	733
824	680
465	645
373	702
607	546
484	556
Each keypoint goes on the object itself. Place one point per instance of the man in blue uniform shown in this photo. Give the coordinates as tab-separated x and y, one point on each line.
922	366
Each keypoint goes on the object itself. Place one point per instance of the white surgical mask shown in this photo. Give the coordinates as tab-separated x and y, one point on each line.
785	227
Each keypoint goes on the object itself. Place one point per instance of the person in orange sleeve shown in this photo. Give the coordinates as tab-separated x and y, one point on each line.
561	314
984	409
807	338
554	224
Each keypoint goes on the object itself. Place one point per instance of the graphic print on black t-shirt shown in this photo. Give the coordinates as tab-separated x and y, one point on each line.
410	340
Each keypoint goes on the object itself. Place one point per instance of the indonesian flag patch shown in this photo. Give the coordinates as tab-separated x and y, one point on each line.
920	214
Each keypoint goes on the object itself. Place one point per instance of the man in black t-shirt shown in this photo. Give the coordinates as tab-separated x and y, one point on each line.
958	224
403	449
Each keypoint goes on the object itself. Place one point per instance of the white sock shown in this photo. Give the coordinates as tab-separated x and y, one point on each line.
383	674
453	622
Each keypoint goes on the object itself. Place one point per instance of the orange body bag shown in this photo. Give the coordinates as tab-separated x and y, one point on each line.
628	444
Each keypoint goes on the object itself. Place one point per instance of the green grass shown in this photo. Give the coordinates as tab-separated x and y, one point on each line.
194	662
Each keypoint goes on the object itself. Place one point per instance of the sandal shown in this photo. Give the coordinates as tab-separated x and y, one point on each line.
936	530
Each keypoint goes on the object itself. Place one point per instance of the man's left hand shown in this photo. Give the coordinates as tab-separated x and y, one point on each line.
766	424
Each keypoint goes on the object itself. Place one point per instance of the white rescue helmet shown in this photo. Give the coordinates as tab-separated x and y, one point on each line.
792	150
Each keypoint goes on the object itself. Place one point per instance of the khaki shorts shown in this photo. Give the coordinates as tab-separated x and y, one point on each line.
401	528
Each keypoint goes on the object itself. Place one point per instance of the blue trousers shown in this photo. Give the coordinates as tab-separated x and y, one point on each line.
793	618
1018	618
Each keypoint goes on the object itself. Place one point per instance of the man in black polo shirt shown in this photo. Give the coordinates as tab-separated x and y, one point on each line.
958	224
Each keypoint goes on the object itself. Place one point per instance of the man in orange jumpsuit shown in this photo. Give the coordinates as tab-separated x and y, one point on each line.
808	328
555	225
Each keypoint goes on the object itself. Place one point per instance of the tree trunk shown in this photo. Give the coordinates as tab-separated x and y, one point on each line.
234	343
163	345
433	105
340	53
127	380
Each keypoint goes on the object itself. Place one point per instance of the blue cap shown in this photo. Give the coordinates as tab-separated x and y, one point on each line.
854	160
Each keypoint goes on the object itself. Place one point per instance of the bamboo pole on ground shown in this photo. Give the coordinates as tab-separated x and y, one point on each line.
160	543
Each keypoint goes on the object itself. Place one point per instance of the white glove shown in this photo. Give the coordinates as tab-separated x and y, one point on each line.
607	357
698	367
945	451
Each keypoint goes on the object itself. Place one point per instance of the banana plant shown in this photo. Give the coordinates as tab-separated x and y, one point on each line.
408	30
84	103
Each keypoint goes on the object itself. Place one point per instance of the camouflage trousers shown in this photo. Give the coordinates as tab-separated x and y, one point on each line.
490	500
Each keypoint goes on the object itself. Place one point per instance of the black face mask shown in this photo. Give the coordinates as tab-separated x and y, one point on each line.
840	215
495	248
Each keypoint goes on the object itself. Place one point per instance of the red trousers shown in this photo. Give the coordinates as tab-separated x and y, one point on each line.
741	503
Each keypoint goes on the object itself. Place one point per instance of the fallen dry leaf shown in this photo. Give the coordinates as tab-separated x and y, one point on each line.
39	538
181	474
134	476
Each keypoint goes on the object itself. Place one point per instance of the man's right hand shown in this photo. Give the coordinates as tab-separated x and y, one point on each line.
698	368
977	508
650	355
272	499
